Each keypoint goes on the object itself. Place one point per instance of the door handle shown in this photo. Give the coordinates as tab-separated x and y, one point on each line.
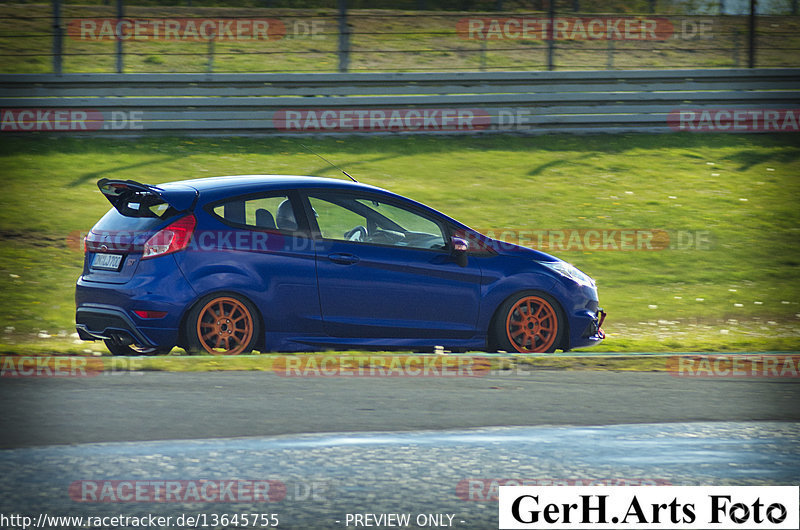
343	259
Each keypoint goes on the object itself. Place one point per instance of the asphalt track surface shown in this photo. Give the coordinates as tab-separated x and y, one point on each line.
318	479
182	406
426	447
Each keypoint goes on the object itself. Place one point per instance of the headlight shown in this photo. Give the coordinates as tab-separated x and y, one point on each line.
568	271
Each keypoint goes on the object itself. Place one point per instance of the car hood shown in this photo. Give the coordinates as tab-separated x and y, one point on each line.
509	249
506	249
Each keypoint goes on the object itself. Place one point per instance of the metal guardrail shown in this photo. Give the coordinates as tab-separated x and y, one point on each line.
731	100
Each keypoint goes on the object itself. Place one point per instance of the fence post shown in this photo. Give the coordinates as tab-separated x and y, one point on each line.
210	66
120	16
344	37
751	58
551	36
58	33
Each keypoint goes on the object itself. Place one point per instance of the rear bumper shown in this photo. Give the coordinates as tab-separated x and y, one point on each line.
108	311
99	322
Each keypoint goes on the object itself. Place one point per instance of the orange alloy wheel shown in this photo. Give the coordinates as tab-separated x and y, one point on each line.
532	325
225	326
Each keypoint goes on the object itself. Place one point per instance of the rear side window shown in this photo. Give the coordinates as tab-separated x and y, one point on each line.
270	212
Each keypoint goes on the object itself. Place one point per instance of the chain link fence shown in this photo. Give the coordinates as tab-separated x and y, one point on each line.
420	35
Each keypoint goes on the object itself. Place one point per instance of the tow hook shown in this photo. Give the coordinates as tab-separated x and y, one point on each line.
602	317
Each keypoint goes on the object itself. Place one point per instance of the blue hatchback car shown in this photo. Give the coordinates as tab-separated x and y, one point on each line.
227	265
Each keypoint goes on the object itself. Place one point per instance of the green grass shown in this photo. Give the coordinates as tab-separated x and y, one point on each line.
738	293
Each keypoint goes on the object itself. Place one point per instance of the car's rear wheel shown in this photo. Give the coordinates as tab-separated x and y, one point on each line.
529	322
222	324
133	349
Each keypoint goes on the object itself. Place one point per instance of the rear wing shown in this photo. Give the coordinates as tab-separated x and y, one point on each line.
134	199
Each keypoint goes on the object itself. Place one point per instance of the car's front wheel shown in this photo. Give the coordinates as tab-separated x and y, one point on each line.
529	322
222	324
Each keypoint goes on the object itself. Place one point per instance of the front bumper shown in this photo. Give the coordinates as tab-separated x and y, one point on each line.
590	330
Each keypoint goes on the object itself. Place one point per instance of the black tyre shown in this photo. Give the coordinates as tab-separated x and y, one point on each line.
222	324
529	322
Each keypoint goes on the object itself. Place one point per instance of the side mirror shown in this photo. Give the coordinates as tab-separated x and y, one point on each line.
460	248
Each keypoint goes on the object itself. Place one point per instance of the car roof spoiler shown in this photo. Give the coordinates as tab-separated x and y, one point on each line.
119	192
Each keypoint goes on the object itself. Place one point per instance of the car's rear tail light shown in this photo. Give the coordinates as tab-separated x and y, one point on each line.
173	238
150	314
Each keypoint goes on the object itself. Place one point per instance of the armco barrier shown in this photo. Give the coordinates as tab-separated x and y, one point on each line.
738	100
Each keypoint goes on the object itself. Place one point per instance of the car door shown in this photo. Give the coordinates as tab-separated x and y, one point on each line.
385	270
256	245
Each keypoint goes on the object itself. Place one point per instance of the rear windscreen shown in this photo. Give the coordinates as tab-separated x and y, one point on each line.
135	211
142	205
114	221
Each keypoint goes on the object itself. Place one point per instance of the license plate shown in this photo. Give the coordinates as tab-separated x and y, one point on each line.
109	262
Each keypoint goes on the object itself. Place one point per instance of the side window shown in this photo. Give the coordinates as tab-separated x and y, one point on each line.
335	220
367	220
274	212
